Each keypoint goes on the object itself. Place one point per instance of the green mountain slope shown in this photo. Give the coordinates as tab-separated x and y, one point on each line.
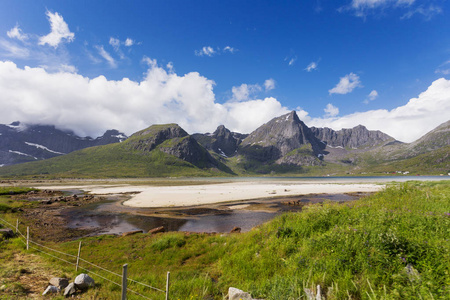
158	151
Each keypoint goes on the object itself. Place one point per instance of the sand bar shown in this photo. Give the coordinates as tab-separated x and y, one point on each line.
191	195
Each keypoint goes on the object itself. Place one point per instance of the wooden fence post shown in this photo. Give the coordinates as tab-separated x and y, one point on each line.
78	256
124	282
28	236
167	285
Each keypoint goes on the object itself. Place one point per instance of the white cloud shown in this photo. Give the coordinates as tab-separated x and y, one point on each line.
427	12
16	33
292	61
59	31
372	96
67	68
312	66
129	42
346	84
114	42
103	53
269	84
245	91
13	50
210	51
207	50
405	123
229	49
91	106
331	110
363	8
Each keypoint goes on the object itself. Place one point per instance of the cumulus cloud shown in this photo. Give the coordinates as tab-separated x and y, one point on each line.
205	51
129	42
346	84
244	91
269	84
106	56
331	110
16	33
405	123
91	106
59	31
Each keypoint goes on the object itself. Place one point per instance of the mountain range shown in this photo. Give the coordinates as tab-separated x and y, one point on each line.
284	145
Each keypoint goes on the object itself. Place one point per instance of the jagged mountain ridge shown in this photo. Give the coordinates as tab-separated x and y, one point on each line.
222	141
352	138
23	143
158	151
283	141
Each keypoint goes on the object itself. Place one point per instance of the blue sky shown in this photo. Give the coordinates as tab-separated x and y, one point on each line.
381	63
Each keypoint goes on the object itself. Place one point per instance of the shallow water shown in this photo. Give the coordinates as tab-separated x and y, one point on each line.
107	217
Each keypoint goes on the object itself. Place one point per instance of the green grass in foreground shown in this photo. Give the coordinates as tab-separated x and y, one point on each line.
357	250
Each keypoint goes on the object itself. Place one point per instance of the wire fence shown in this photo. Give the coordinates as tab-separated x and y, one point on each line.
50	252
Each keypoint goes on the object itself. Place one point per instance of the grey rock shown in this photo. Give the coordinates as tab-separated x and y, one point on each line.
6	233
84	281
412	273
61	283
70	289
51	289
235	230
237	294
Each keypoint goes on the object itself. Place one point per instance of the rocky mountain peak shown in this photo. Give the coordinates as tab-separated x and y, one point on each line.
149	138
280	136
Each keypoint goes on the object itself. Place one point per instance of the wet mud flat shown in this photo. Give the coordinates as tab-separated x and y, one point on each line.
71	214
112	217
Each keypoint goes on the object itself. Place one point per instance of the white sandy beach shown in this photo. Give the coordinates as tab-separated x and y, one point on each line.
167	196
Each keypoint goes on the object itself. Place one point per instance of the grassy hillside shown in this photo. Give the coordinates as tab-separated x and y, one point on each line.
148	153
108	161
392	245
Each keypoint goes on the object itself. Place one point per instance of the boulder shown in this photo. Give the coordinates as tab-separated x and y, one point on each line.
84	281
237	294
6	233
51	289
70	290
236	230
61	283
157	230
